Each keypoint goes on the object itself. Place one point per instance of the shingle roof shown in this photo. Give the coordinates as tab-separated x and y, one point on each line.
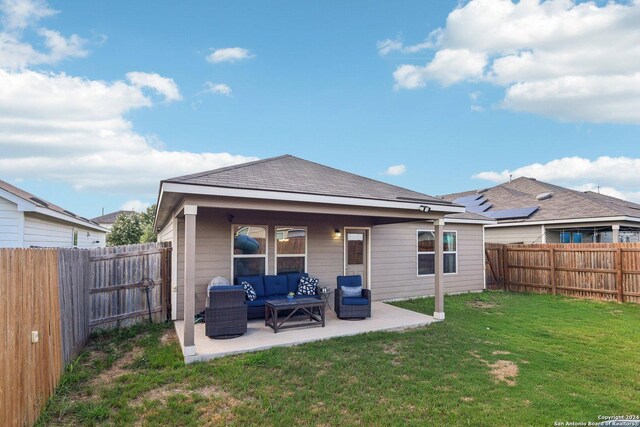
294	175
564	203
110	218
37	201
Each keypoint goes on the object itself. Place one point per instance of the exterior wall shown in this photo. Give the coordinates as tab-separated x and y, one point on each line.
213	246
516	234
10	221
40	231
393	253
394	268
166	234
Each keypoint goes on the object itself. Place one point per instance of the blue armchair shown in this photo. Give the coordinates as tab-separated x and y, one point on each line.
350	303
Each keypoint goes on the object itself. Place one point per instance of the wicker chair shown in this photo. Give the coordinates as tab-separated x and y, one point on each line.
226	313
352	308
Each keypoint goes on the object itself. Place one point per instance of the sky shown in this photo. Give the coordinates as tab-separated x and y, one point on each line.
101	100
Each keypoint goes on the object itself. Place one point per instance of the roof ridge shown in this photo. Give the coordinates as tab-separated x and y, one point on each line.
227	168
362	176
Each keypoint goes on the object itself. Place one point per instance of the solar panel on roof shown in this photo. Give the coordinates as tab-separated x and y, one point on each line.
478	209
466	199
477	202
512	213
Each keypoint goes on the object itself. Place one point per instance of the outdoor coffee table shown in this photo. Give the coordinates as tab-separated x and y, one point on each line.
312	308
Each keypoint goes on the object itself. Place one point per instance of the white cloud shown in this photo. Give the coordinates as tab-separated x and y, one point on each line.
72	130
217	88
20	15
616	176
229	54
567	60
395	170
135	205
397	45
163	85
448	66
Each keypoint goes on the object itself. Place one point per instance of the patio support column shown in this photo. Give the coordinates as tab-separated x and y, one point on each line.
439	268
190	212
615	228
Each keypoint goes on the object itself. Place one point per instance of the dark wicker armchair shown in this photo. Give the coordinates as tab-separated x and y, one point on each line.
226	314
352	307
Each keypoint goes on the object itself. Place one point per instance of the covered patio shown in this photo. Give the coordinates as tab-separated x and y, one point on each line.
342	224
260	337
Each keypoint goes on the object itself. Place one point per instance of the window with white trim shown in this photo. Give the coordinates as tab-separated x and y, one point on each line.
249	250
426	252
291	250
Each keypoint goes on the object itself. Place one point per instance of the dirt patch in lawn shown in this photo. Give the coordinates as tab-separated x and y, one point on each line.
504	371
169	337
162	394
481	304
118	369
392	350
497	352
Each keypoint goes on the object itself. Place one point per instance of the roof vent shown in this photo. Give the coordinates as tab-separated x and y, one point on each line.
482	190
544	196
39	201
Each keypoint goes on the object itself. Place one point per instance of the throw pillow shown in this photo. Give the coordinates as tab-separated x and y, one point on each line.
351	291
307	286
249	291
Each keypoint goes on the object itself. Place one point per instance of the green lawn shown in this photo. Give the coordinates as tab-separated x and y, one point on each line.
498	359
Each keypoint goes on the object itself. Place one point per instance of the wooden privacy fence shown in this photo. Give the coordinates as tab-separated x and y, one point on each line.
118	292
50	299
604	271
29	302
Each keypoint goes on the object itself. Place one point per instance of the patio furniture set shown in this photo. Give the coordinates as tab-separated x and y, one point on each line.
229	307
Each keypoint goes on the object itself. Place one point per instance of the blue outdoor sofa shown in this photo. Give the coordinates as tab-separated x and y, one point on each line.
270	287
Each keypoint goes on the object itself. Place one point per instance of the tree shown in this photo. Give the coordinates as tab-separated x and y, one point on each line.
132	228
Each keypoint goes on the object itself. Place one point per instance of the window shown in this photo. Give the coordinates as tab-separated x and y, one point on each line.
291	250
249	250
426	252
75	238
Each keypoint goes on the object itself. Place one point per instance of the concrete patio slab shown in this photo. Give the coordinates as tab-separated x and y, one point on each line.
384	317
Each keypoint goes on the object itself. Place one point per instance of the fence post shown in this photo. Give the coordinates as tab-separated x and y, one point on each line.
505	268
552	260
618	262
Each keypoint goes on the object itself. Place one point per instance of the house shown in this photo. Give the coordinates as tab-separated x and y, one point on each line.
532	211
29	221
107	220
404	243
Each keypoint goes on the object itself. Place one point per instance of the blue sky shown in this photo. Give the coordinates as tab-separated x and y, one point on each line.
102	99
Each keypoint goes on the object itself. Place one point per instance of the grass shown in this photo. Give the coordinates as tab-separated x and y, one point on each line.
498	359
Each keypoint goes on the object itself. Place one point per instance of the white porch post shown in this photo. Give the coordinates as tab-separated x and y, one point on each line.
190	212
615	228
439	267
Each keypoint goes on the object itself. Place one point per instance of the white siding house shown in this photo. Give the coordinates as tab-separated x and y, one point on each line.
28	221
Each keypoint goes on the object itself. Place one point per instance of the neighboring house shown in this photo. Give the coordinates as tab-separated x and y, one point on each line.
303	216
29	221
107	220
532	211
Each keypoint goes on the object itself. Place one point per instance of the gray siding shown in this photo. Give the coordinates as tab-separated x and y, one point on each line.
10	219
394	269
166	234
213	246
393	257
516	234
